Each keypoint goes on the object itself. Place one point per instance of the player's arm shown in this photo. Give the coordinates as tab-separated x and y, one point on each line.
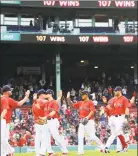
20	103
109	107
69	100
51	114
90	115
4	107
4	112
126	106
35	98
59	96
92	110
127	111
55	108
132	100
104	99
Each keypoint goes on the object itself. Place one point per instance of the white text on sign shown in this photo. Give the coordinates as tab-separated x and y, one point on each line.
100	39
84	38
57	38
63	3
118	4
128	39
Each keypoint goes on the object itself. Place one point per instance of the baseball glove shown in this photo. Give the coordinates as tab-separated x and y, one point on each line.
41	122
84	121
126	127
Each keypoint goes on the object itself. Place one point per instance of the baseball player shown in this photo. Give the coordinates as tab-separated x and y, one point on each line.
120	106
6	149
126	132
110	114
40	118
6	100
41	129
86	113
52	116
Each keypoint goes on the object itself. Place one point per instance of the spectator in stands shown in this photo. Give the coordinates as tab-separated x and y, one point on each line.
72	93
31	23
116	23
124	91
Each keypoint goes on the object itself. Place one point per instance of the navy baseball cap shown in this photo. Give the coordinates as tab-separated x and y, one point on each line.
50	91
85	92
41	91
6	88
118	88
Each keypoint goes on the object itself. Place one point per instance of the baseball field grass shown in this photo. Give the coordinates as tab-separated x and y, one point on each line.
90	153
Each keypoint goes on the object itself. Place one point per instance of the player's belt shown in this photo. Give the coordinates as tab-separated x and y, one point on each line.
41	122
50	118
118	115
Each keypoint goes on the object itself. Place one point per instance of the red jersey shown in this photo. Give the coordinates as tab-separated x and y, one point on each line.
11	104
108	111
119	105
84	108
68	111
52	106
38	108
3	104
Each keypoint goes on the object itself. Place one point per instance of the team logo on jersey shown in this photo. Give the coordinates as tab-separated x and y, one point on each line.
120	104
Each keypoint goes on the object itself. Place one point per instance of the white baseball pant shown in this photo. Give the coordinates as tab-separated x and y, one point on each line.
7	136
41	141
112	128
5	146
90	130
117	123
49	149
53	126
111	124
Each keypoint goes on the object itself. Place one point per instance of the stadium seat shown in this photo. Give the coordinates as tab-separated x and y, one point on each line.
96	30
22	28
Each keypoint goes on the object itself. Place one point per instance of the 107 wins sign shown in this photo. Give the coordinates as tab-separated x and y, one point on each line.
98	3
81	4
80	39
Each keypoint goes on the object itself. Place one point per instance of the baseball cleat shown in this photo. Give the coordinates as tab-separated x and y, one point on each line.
64	154
118	151
125	149
101	151
52	154
106	150
12	154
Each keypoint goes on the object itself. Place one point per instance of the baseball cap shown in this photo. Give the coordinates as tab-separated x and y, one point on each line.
49	91
6	88
84	92
41	91
118	88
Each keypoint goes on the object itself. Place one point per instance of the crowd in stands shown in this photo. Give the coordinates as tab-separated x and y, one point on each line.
22	126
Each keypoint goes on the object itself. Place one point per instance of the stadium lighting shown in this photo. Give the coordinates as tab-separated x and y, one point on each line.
132	67
96	67
82	61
